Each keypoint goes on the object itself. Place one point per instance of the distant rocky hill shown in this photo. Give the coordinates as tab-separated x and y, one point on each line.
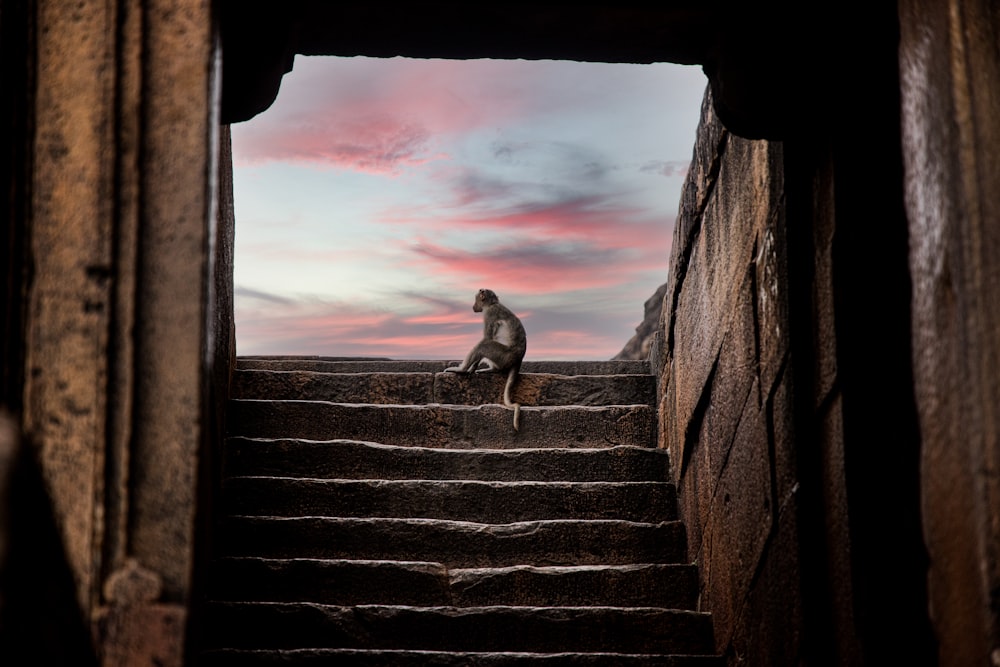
638	345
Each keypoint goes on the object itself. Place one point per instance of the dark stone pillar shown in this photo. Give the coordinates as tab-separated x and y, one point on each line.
114	333
950	81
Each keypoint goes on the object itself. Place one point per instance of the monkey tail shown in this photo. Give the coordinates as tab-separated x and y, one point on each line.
511	379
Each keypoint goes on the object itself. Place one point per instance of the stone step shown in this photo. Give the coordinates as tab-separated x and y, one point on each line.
496	628
456	426
409	388
463	500
671	586
455	544
384	512
398	658
356	365
353	582
350	459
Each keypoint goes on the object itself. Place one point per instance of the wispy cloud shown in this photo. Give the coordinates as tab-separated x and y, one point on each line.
539	180
372	115
438	329
674	168
379	145
590	217
528	268
536	236
260	295
571	197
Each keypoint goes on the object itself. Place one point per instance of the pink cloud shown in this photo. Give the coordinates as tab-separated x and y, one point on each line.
439	319
272	324
556	240
529	268
554	248
588	218
583	218
473	201
371	115
569	218
379	145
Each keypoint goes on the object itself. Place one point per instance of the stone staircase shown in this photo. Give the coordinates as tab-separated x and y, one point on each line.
384	513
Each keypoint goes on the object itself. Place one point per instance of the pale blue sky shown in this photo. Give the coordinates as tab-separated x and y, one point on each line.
376	196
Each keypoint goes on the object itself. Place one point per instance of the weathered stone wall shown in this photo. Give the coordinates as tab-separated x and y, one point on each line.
787	387
639	345
69	302
725	396
115	323
834	435
950	76
787	372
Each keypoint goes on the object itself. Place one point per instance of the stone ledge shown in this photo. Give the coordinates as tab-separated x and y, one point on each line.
456	544
351	459
464	500
617	629
401	658
420	387
342	365
351	582
454	426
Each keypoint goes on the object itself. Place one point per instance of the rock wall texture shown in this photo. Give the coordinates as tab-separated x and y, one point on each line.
725	395
828	354
950	74
828	357
787	384
111	214
639	345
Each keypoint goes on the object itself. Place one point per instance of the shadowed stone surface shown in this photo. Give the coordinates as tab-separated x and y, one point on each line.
351	582
445	426
276	625
349	459
330	581
336	365
403	515
456	543
467	500
667	586
399	658
419	387
400	388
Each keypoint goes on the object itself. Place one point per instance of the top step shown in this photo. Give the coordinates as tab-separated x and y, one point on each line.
370	365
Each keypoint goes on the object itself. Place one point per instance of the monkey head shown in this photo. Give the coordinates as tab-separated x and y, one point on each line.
484	298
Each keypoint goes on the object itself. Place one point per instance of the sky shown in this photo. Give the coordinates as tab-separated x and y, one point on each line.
377	196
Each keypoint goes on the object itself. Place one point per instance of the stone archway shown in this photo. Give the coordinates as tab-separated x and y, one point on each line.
120	330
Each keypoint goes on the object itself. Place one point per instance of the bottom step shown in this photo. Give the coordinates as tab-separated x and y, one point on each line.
358	658
489	629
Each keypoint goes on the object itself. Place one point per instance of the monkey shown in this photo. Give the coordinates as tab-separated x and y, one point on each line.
502	347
